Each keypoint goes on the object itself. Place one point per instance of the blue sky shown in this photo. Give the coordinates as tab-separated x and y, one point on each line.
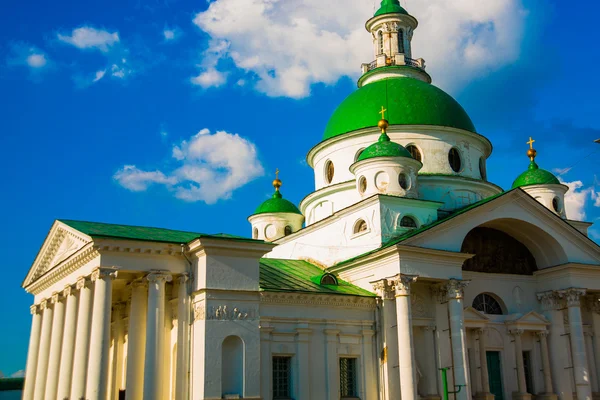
164	113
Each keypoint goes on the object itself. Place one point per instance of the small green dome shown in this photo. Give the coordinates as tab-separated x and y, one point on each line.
384	148
389	7
535	176
277	204
409	102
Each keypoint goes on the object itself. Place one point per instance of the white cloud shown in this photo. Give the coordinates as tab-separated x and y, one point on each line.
87	37
23	54
291	45
210	167
210	78
19	374
169	34
36	60
577	198
99	75
172	34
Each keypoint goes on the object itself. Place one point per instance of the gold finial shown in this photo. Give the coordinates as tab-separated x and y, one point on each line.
531	153
383	123
277	183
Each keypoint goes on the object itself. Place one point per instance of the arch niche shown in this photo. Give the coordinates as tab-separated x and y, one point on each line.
232	372
511	246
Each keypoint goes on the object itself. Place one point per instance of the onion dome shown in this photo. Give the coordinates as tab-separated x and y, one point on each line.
384	147
534	174
389	7
410	102
277	204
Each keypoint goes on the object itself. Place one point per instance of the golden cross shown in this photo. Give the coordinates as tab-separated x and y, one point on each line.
277	173
382	112
531	142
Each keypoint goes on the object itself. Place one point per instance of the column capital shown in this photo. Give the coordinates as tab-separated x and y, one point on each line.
56	297
43	304
455	288
481	331
82	282
542	333
159	276
120	306
68	291
137	283
401	284
34	309
104	273
550	300
183	278
383	289
516	332
573	296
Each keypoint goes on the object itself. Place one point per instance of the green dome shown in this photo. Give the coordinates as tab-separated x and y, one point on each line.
409	102
384	148
389	7
277	204
535	176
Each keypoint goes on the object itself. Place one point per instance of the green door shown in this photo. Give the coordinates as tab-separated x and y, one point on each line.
495	374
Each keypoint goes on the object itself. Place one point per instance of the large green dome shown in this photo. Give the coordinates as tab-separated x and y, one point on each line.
389	7
409	102
535	176
277	204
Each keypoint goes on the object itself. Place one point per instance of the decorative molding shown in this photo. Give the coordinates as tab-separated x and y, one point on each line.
572	296
82	282
318	300
516	332
183	278
68	291
455	289
56	297
159	277
383	289
550	300
225	313
542	333
418	306
104	273
43	304
199	311
34	309
401	284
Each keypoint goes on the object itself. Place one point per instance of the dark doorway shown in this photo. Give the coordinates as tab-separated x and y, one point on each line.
495	374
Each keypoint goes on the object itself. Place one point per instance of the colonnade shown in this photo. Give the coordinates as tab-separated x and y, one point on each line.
70	340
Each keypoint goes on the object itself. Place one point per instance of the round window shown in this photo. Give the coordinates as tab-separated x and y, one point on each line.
360	226
414	152
482	170
404	181
329	172
454	159
362	185
556	204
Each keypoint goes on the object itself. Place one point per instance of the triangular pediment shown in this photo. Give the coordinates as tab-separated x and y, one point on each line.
474	318
531	319
61	244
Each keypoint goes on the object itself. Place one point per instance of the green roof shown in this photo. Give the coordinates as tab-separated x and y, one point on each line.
390	6
103	230
408	101
278	275
11	384
535	176
384	148
277	204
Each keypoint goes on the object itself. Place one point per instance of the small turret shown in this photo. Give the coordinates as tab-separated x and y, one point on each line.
542	185
275	217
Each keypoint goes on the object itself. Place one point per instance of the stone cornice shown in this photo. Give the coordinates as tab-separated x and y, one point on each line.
292	299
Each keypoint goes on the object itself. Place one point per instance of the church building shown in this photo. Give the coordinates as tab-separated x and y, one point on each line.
405	272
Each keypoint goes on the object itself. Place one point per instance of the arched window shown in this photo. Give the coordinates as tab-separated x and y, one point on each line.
400	41
380	41
329	172
232	366
556	204
454	160
408	222
329	279
482	170
288	230
414	152
255	233
487	304
362	185
360	226
404	181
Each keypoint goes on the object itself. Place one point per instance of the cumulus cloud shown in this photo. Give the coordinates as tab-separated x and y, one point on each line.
210	167
209	75
577	199
87	37
99	75
291	45
210	78
22	54
172	34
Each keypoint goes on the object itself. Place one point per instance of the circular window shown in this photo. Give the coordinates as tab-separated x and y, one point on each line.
255	233
454	159
404	181
288	230
270	232
358	153
360	226
362	185
414	152
482	170
556	204
408	222
487	304
329	171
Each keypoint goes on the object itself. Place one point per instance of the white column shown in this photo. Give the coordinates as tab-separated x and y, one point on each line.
136	340
155	334
485	379
521	383
68	344
591	360
97	374
596	329
302	342
167	354
82	340
458	336
406	357
183	334
580	366
543	335
117	348
32	352
55	346
44	351
431	370
390	337
332	364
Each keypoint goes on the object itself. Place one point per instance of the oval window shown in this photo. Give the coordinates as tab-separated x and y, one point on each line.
408	222
360	226
362	185
288	230
556	204
414	152
255	233
329	172
482	170
403	180
454	159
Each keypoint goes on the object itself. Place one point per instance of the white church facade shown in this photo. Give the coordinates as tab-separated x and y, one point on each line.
405	265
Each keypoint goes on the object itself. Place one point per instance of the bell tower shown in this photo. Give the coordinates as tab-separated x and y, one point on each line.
392	30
